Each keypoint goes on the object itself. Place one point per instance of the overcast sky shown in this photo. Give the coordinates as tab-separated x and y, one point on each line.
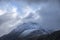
13	12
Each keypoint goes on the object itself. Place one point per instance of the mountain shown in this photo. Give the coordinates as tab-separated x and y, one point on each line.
30	31
24	30
53	36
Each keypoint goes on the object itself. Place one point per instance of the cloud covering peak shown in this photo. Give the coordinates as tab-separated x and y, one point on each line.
46	14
